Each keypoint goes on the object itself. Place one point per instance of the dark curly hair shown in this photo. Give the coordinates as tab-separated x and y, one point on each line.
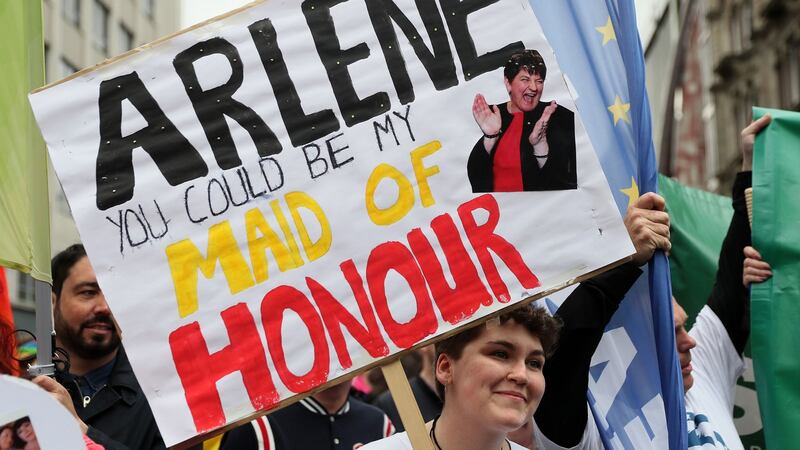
530	60
534	318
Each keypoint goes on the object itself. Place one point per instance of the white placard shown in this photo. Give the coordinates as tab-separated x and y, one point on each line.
285	189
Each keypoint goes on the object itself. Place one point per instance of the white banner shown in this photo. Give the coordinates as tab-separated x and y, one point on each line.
32	415
280	197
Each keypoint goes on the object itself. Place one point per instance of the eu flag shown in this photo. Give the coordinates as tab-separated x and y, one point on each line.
636	389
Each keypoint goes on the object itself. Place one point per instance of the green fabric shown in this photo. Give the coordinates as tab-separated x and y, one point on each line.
24	207
699	221
775	304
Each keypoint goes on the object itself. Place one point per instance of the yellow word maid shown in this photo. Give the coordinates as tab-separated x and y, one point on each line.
185	259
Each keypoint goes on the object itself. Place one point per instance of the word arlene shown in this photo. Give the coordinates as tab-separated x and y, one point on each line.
326	318
179	162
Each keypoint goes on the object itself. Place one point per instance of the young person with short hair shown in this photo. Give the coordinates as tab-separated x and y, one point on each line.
490	380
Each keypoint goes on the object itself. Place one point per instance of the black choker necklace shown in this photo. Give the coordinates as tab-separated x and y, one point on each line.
436	443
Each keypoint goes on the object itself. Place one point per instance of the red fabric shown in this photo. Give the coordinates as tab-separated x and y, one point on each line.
7	364
507	165
92	445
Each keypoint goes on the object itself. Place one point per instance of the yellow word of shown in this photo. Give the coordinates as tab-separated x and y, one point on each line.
405	191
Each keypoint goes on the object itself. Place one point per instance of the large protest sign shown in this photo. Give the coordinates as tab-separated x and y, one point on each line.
279	198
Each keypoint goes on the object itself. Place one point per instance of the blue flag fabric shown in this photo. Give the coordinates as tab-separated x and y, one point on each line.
636	388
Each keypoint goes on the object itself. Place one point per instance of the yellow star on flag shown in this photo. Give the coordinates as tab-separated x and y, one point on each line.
631	192
607	31
620	110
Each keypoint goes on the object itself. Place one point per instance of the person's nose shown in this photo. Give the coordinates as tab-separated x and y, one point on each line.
685	342
691	342
518	372
101	306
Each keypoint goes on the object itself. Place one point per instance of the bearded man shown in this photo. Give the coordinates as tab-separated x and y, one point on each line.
107	398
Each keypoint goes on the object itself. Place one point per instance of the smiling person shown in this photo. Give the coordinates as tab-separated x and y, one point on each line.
527	144
109	403
492	377
25	436
490	380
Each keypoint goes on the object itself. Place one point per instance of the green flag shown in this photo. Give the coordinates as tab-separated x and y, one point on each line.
775	303
24	208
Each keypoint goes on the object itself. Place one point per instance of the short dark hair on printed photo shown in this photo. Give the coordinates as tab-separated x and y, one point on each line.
530	60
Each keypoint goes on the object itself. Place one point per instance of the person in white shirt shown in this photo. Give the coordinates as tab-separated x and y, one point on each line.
490	379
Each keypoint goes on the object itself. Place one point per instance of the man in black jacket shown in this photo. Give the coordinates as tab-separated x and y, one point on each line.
107	398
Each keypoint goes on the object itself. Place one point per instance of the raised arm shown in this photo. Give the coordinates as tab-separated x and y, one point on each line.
562	414
729	299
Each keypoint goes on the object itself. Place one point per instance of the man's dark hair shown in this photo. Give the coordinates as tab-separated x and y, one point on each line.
62	263
530	60
535	319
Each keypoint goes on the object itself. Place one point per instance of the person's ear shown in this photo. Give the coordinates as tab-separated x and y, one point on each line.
508	84
444	369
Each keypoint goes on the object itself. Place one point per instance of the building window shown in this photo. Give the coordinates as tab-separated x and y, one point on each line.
149	8
125	38
71	10
741	26
100	26
789	77
746	23
25	289
67	68
736	29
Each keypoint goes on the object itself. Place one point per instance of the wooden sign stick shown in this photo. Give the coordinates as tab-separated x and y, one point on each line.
406	405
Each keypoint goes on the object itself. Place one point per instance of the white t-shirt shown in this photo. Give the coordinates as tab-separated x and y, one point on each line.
589	441
709	403
400	441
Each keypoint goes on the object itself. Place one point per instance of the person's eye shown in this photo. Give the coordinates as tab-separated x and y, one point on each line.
535	364
501	354
88	293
